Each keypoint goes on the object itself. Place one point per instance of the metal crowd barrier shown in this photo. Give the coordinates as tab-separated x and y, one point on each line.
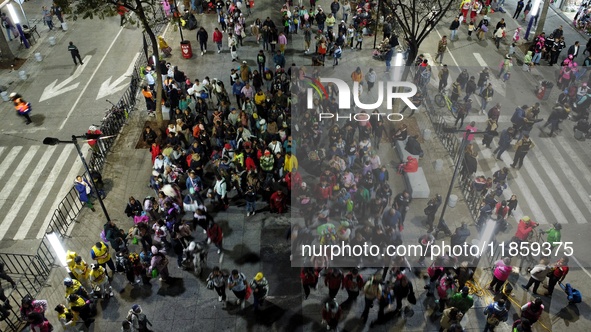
31	272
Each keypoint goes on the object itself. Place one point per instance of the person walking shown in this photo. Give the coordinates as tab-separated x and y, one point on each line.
22	107
470	88
537	275
237	284
431	209
233	45
505	139
218	36
309	277
331	314
522	147
486	95
403	290
499	34
506	65
352	283
518	9
47	17
333	280
443	78
454	26
75	54
202	37
441	48
402	203
372	291
217	281
260	288
139	321
215	235
159	263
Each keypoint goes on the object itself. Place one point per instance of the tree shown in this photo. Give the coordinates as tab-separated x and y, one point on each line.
148	14
416	19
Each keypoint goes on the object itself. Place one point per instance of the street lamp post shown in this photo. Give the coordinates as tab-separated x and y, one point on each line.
55	141
441	223
534	12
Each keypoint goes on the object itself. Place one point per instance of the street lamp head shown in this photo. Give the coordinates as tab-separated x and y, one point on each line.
51	141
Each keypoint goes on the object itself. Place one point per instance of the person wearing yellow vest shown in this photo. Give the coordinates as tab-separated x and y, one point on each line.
100	253
81	308
74	286
66	318
80	270
99	279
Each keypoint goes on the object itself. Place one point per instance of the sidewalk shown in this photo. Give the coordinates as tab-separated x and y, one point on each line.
252	245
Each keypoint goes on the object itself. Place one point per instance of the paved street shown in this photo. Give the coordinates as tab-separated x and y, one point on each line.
552	186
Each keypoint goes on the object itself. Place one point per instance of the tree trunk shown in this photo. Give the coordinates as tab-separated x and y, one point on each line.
542	18
158	86
7	55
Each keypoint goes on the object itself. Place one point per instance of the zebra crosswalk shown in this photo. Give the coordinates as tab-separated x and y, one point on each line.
554	184
33	181
551	184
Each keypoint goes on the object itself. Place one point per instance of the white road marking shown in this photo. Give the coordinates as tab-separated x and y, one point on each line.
68	184
53	90
16	175
108	88
498	86
574	183
5	166
44	193
25	191
523	187
90	79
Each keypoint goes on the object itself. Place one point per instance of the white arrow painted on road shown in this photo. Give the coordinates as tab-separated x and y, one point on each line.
53	90
108	88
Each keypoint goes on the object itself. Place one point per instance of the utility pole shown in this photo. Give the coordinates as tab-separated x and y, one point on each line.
542	18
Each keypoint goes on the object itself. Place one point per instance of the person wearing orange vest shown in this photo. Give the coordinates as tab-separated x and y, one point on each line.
22	107
100	253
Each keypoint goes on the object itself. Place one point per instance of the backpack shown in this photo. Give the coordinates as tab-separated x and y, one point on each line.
260	59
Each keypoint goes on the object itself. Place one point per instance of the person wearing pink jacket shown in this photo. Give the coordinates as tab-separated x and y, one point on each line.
501	273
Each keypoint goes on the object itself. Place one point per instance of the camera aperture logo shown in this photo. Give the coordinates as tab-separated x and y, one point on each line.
344	98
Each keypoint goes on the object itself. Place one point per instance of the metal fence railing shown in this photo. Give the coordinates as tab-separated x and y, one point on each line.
31	271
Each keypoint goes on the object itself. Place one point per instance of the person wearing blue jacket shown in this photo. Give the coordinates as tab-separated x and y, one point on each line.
84	190
505	139
495	312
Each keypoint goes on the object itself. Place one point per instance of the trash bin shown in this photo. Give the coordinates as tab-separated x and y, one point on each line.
38	57
186	49
4	95
51	40
22	75
453	200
